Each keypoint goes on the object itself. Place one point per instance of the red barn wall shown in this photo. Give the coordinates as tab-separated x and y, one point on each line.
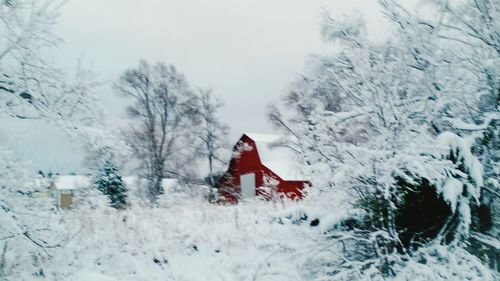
248	161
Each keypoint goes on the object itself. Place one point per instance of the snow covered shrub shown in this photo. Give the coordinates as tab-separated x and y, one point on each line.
422	208
394	124
110	183
439	262
28	234
461	186
421	214
269	189
179	192
488	150
433	262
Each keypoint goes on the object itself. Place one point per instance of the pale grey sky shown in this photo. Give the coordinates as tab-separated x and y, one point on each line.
247	51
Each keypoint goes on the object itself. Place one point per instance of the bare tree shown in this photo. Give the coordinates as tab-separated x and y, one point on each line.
213	134
164	112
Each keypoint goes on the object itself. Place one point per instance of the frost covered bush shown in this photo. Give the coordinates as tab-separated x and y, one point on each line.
28	227
434	262
398	125
180	192
421	215
439	208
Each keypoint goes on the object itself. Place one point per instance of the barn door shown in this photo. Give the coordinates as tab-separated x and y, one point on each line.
247	185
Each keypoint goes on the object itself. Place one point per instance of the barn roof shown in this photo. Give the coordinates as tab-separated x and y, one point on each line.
280	160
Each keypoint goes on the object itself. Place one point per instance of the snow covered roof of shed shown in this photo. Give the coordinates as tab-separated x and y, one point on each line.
278	159
72	182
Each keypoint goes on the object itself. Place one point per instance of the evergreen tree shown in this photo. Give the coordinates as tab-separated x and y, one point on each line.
110	183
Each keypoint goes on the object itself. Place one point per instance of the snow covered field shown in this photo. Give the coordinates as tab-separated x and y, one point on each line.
193	240
187	238
398	137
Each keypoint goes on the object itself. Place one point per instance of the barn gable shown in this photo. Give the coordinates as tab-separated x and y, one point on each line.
259	167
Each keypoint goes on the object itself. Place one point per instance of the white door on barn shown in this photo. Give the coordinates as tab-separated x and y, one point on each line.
247	185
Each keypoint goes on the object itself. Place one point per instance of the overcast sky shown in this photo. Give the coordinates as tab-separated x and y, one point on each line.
247	51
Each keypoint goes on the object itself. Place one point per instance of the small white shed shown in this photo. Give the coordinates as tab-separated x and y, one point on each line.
64	186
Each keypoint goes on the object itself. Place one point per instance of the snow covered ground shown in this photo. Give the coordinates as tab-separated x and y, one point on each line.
186	238
191	240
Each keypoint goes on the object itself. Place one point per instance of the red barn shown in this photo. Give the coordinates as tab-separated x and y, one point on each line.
258	168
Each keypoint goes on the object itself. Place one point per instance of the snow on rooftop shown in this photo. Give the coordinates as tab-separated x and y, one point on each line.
72	182
278	159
